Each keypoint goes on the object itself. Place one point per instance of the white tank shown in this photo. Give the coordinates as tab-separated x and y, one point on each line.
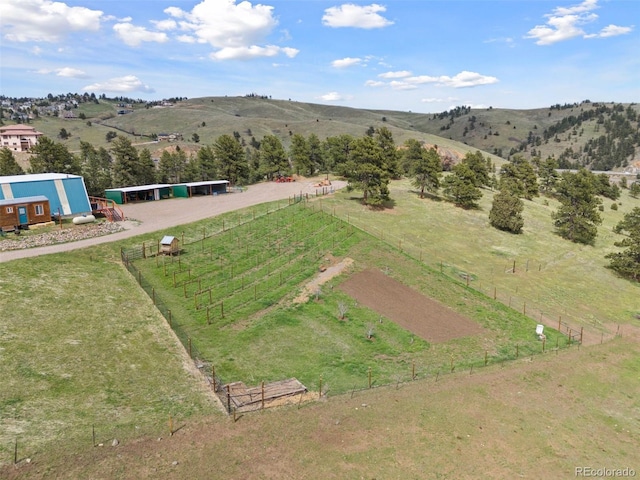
83	219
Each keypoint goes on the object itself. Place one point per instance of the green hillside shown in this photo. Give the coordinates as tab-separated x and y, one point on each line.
601	136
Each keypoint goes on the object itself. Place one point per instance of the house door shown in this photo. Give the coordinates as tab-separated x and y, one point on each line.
22	215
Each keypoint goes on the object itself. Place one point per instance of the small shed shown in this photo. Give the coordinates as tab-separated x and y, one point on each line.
169	245
21	212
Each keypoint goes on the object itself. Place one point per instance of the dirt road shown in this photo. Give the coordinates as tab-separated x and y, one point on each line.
152	216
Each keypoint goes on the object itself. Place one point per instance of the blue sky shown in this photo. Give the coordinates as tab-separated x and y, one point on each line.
419	55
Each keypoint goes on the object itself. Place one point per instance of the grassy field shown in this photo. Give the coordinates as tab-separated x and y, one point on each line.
264	263
553	277
81	345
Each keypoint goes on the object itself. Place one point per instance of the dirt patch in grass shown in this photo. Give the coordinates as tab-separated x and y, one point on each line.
329	270
408	308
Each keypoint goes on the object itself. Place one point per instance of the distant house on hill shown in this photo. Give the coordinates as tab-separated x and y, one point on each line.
19	138
169	137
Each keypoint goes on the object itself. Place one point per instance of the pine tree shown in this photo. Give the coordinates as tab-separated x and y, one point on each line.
577	219
8	163
478	165
300	155
365	170
125	163
627	263
53	157
230	161
506	212
273	157
519	177
426	171
460	187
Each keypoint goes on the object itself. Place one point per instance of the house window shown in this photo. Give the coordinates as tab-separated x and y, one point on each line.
39	210
9	209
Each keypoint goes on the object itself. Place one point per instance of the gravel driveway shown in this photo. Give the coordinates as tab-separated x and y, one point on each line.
149	217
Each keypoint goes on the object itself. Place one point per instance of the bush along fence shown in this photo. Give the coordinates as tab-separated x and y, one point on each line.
564	321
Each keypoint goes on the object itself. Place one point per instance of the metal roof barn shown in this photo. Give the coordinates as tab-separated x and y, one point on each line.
138	193
211	187
66	193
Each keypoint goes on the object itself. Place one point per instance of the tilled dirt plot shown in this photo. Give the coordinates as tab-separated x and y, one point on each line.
417	313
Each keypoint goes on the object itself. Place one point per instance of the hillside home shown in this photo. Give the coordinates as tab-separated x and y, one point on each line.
19	138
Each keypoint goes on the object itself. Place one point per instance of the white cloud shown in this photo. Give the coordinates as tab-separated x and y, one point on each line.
234	30
63	72
439	100
165	24
357	16
133	35
507	40
400	85
610	31
333	97
186	39
253	51
44	20
399	74
71	73
565	23
346	62
126	84
36	50
463	79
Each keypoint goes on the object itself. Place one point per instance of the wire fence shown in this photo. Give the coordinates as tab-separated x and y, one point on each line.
569	323
574	335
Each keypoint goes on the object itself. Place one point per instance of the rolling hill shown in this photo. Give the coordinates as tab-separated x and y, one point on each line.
601	136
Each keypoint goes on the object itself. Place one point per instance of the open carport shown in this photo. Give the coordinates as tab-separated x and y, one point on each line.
138	193
210	187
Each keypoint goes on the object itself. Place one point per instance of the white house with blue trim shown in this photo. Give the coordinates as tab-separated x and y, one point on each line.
67	194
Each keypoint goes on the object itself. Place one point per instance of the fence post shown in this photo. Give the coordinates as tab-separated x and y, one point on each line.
262	388
15	453
369	375
517	351
213	377
320	388
485	358
153	294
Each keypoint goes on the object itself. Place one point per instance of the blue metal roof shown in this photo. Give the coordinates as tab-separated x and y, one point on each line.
16	201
